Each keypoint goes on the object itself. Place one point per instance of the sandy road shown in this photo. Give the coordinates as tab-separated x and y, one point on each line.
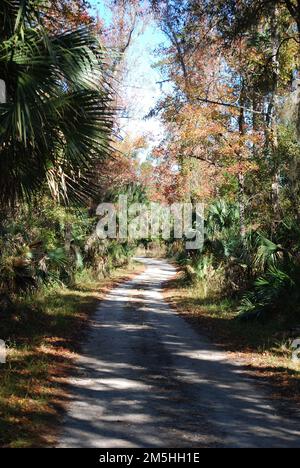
147	379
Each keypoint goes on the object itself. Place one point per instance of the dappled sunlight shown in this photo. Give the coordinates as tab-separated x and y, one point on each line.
44	337
262	346
146	379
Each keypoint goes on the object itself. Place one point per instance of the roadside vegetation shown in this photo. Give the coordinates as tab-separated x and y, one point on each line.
230	108
43	333
233	124
57	163
232	117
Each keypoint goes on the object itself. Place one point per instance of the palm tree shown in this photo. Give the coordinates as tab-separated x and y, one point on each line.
56	123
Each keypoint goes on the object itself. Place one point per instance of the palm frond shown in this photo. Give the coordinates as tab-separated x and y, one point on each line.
58	119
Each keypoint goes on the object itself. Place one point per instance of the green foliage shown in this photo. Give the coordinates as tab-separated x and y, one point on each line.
268	253
277	290
52	244
33	248
222	216
57	121
266	272
235	70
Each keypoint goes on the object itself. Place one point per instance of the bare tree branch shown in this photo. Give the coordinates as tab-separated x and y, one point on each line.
230	105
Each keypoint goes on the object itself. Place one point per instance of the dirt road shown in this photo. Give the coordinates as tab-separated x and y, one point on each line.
147	379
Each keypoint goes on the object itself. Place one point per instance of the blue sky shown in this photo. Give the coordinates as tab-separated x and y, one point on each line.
98	6
141	88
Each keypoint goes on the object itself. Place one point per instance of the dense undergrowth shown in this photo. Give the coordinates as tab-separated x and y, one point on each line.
53	271
260	271
50	245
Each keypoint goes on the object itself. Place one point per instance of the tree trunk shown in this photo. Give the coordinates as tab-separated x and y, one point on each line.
2	92
68	237
241	179
241	176
273	114
276	193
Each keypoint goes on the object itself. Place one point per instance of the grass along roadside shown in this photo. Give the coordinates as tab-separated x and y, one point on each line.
43	335
263	347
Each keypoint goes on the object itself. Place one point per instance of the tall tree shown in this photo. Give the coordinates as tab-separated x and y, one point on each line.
236	59
57	120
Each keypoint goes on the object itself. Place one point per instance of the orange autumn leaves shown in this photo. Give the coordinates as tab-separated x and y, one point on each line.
63	15
205	146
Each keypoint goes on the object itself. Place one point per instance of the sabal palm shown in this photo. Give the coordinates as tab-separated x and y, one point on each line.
222	215
57	121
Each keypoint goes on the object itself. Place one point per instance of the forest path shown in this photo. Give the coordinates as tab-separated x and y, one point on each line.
147	379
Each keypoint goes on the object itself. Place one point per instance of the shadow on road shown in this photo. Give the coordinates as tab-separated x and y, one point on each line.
147	379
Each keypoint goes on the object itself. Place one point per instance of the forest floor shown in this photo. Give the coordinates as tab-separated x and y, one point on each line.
263	347
44	334
146	378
